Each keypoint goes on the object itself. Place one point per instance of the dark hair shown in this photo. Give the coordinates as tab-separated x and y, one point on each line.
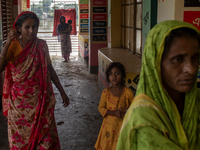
180	32
22	18
69	21
119	66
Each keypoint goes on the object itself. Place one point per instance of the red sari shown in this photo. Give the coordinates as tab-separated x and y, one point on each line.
28	101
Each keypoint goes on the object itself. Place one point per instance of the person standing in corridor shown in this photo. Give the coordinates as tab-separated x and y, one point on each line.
115	100
28	97
64	31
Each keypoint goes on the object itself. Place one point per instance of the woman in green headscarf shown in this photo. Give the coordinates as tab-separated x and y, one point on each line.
165	114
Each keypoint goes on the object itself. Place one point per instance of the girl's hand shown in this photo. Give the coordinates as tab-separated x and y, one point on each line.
120	112
11	35
124	111
117	113
65	100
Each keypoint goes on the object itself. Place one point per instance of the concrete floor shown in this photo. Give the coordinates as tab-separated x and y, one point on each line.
81	118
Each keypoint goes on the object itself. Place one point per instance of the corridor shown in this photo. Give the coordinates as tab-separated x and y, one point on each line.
78	124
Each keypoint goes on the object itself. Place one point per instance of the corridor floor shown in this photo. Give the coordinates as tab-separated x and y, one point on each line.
81	118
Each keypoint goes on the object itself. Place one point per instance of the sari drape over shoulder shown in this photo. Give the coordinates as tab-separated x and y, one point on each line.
28	99
153	121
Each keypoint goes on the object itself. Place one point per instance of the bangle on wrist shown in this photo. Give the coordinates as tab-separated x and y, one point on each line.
2	57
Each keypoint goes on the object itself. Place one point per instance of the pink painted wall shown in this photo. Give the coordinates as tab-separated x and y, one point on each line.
93	61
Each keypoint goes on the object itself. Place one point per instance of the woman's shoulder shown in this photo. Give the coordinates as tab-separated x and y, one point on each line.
41	40
144	111
142	100
59	25
14	44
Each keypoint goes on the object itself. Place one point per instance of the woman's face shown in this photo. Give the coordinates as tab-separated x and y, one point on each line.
180	65
62	20
29	29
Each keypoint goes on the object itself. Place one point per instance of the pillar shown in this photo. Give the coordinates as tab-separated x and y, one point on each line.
97	31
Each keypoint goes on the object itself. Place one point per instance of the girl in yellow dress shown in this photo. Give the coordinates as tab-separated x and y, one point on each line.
115	100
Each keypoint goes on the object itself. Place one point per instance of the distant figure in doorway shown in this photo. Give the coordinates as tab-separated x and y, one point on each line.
115	100
64	31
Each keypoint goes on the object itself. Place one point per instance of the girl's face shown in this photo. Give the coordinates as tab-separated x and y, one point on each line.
115	76
180	65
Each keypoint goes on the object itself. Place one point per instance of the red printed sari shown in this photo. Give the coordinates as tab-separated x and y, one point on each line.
28	101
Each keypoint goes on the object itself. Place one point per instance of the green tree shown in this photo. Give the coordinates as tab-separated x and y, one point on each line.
37	8
46	5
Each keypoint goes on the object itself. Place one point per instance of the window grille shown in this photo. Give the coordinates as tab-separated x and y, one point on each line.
7	17
132	25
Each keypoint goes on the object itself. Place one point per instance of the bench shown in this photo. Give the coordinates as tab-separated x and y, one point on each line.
131	62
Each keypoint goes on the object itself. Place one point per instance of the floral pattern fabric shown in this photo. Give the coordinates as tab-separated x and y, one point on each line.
110	128
65	45
28	101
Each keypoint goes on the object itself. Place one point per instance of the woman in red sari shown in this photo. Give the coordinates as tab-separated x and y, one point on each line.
28	98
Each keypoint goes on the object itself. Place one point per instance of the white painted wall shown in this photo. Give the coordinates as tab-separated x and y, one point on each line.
166	10
172	10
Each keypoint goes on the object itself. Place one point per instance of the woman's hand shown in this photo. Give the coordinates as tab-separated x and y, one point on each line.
11	35
65	100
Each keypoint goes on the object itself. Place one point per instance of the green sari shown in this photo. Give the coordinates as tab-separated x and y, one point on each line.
153	121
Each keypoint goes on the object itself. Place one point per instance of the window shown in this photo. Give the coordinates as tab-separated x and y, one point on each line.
132	25
7	18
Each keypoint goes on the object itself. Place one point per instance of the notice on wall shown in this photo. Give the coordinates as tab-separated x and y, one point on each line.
84	25
191	3
84	1
99	24
84	11
99	2
84	21
84	15
99	37
99	30
99	9
192	17
84	30
84	6
99	20
99	16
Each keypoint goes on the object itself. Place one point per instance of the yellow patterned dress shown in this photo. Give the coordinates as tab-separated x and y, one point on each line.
110	128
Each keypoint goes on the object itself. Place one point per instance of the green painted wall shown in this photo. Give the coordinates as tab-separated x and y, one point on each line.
149	18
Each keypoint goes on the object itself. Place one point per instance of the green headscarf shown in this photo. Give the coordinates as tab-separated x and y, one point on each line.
151	84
